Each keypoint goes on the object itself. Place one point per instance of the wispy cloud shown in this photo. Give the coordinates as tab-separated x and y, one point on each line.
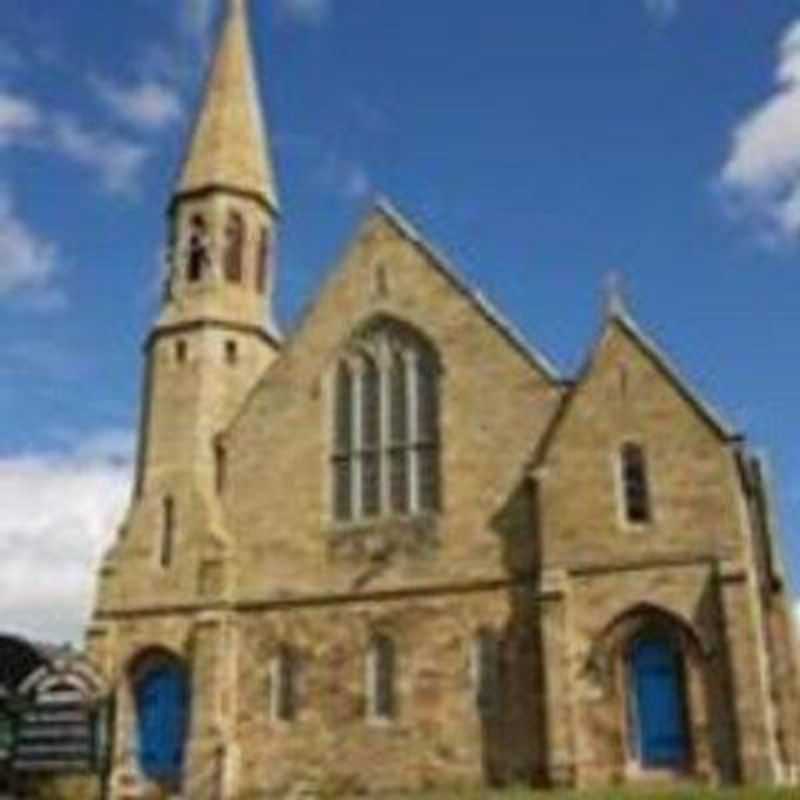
149	104
348	179
19	118
117	161
662	10
761	178
304	12
29	260
60	510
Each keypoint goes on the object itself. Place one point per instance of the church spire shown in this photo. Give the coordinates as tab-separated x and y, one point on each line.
230	144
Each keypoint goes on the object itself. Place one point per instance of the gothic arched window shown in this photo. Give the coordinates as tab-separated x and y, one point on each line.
635	484
386	425
487	671
234	247
198	249
283	684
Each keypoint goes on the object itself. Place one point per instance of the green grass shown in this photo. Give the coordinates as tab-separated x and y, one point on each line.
640	793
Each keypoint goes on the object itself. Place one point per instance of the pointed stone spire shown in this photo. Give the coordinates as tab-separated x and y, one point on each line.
230	146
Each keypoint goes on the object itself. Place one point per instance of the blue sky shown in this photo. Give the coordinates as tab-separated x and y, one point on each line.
541	145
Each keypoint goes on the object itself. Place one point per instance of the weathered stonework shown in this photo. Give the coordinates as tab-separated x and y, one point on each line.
530	541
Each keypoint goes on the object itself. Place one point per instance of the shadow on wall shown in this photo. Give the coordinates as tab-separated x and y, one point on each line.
723	727
514	730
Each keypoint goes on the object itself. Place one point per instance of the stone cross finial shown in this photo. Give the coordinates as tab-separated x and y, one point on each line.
615	294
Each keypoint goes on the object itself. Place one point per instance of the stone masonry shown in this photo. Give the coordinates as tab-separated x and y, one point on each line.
232	550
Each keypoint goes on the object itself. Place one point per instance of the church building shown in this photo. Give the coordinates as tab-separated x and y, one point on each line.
397	550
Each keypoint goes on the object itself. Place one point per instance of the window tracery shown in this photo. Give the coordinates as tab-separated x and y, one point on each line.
386	425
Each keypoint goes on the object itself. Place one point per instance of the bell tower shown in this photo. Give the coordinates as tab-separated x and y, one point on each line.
215	333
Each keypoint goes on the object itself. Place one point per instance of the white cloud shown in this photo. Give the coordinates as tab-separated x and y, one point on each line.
60	511
149	104
761	177
305	12
19	118
663	10
117	161
346	178
28	260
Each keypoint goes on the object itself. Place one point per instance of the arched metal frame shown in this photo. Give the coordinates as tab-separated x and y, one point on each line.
18	661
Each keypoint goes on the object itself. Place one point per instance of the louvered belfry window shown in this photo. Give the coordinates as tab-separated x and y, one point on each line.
386	425
234	247
635	483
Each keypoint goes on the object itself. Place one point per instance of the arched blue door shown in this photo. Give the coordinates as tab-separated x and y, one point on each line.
162	706
659	718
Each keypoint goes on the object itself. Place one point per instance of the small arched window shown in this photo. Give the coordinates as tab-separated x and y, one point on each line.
635	484
263	260
487	672
220	466
198	249
167	533
234	247
393	405
381	666
283	684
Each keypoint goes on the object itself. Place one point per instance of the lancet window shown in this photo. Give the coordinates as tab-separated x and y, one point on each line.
198	258
386	425
263	260
381	667
167	533
283	683
635	482
234	247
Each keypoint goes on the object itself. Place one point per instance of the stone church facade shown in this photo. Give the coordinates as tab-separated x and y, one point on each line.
397	550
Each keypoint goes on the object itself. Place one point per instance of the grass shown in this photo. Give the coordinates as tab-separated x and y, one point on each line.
640	793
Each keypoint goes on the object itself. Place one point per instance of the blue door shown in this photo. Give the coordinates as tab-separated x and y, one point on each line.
162	705
658	701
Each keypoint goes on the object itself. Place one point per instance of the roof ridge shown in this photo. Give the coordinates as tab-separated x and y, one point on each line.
389	210
622	315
